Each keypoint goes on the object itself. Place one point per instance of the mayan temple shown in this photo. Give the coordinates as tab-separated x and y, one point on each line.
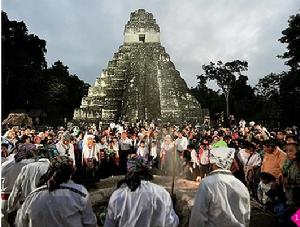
140	82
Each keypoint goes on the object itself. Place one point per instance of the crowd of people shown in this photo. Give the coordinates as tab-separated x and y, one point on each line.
256	162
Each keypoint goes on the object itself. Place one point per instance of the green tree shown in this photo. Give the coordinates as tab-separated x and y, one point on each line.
23	59
208	98
269	85
290	99
291	37
290	82
242	99
268	95
28	84
64	92
225	75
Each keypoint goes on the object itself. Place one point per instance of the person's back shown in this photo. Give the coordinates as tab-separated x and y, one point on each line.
149	205
223	201
10	173
67	206
27	181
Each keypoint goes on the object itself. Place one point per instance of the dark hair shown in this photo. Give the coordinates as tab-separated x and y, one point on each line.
227	137
267	176
283	132
270	142
56	176
191	146
133	179
221	133
292	137
248	145
97	138
24	138
4	145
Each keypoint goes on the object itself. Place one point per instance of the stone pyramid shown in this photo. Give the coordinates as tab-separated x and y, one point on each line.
140	82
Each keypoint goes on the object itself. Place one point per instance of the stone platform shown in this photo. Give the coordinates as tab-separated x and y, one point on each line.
185	191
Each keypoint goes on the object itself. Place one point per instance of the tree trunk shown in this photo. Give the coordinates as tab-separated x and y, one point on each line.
227	104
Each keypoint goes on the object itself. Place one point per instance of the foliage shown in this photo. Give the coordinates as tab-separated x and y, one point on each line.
23	59
209	99
290	82
64	92
291	37
242	99
27	83
224	75
269	85
289	101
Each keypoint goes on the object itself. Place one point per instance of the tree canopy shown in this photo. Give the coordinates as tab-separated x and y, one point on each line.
224	75
275	100
27	83
291	37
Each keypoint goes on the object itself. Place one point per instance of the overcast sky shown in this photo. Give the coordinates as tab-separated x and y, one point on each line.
85	34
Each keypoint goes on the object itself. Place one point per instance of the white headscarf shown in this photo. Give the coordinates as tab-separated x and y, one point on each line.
222	157
86	138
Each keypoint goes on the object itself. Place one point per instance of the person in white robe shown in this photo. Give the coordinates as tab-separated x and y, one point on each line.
143	151
66	148
59	202
22	155
222	199
28	179
138	202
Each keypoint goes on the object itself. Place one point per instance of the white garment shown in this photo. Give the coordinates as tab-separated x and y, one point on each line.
262	189
166	148
101	146
90	153
254	160
194	158
3	159
60	208
27	181
221	200
125	145
222	157
181	143
143	152
116	147
204	157
62	149
153	152
112	125
9	173
149	205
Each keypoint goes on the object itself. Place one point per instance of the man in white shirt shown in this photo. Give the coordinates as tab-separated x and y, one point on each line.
9	173
181	144
138	202
60	202
125	150
90	158
222	200
143	151
28	179
65	148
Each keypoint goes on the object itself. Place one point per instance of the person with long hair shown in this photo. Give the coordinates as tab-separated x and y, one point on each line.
138	201
59	201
